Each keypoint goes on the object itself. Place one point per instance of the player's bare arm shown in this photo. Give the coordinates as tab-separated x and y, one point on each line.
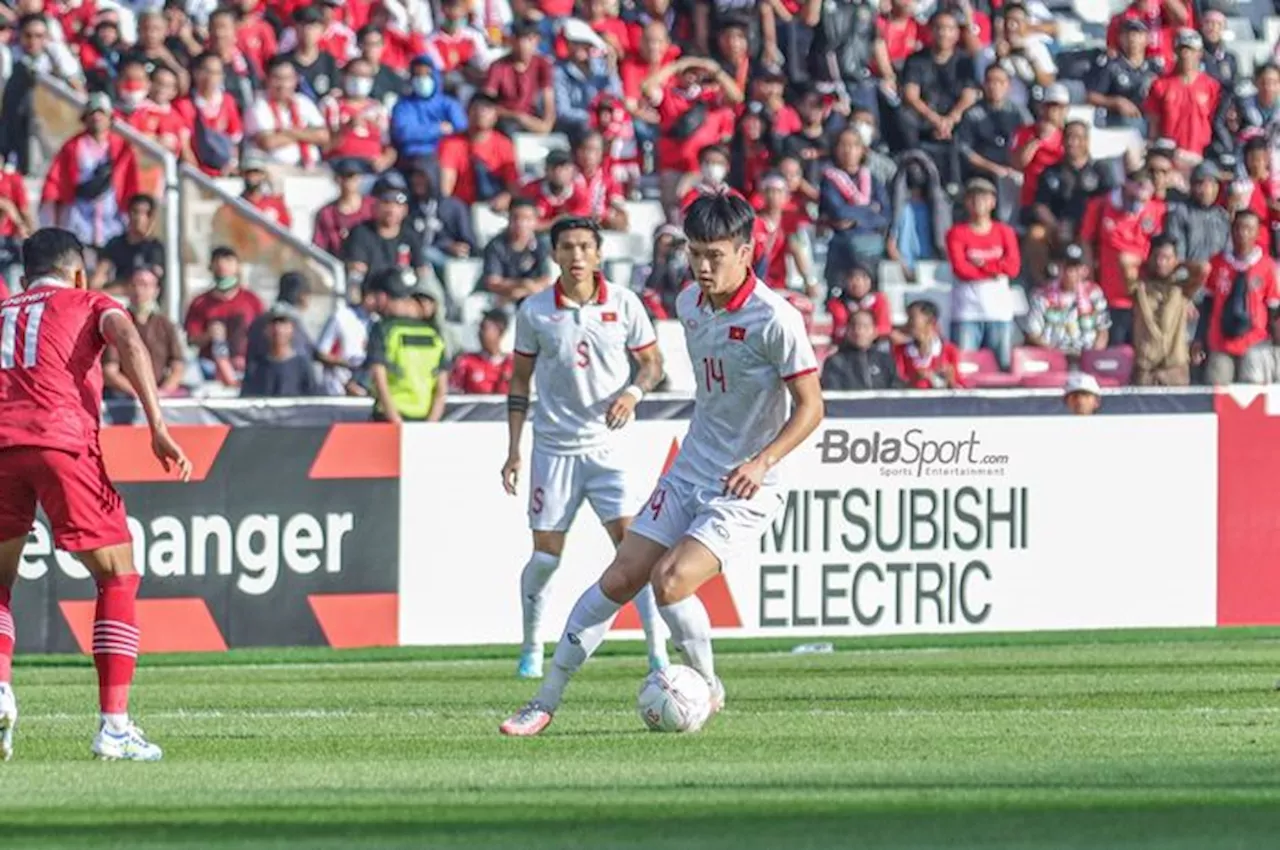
517	412
806	415
647	378
135	363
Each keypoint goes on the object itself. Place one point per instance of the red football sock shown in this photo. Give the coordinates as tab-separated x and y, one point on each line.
115	641
7	636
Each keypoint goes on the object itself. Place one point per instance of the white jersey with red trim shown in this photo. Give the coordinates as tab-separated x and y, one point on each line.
582	362
742	355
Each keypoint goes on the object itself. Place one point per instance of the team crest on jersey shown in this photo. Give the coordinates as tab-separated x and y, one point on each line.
737	334
608	317
1148	224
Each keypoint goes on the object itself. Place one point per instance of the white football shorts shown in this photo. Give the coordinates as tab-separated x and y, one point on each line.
726	525
559	483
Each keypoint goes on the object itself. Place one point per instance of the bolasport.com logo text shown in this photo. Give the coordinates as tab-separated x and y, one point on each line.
911	453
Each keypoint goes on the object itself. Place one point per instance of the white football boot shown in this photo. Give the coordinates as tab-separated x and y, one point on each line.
129	745
8	720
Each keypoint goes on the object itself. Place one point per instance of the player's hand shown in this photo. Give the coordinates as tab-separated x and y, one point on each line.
744	482
621	411
511	474
170	454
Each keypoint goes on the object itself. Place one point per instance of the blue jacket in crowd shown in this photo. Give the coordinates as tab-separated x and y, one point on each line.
416	120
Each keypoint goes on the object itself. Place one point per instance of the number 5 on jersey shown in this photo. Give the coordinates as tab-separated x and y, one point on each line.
30	335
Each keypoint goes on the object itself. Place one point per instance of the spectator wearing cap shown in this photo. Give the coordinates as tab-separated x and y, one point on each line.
581	77
938	85
858	364
487	371
854	205
520	84
1064	190
1181	105
984	257
284	125
154	53
784	236
516	260
1116	233
242	76
601	194
259	193
218	320
854	294
38	50
925	360
334	37
279	372
1201	227
1161	291
442	224
457	48
1069	313
135	248
987	128
1081	394
358	124
1161	18
1162	157
389	84
1120	83
406	356
693	98
212	118
427	115
921	214
478	163
336	220
317	68
292	298
1038	146
386	241
554	194
1024	57
1217	61
92	177
159	336
1241	289
1251	111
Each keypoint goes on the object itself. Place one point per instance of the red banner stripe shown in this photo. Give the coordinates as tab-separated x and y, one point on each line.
183	624
1248	536
358	450
127	453
351	620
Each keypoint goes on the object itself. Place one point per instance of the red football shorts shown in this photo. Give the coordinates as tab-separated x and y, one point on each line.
83	507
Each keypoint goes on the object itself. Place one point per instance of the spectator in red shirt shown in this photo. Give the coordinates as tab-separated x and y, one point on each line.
769	90
520	85
487	371
901	35
602	196
653	52
358	124
1241	289
218	320
554	194
156	117
242	76
1182	105
1116	231
984	257
783	237
457	48
480	164
751	152
213	119
854	294
1038	146
620	36
152	50
1162	19
258	193
1256	191
254	36
926	361
336	220
693	98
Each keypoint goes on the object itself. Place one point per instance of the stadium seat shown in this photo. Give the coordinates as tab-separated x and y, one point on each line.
979	369
675	357
461	277
1107	143
486	223
902	294
1271	30
1240	29
618	271
1032	362
532	150
643	218
1111	366
1044	380
615	246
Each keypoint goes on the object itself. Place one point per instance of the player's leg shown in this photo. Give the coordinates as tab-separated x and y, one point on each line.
675	579
606	489
17	514
88	520
555	494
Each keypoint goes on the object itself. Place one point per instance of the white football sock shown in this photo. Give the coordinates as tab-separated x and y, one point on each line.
691	630
583	633
654	634
117	724
533	587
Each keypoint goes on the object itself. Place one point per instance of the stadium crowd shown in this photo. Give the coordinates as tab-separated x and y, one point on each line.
938	151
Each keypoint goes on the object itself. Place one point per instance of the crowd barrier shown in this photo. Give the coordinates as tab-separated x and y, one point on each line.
903	514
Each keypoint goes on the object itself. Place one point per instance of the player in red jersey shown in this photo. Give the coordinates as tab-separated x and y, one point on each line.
51	341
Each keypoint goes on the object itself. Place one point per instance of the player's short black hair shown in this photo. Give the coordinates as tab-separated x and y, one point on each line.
712	218
51	252
575	222
924	307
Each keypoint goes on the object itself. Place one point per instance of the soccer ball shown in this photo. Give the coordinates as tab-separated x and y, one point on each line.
676	699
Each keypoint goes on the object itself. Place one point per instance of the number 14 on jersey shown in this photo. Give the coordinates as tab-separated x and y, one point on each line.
713	374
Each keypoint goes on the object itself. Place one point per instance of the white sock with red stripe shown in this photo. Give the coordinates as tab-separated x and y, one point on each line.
115	646
8	636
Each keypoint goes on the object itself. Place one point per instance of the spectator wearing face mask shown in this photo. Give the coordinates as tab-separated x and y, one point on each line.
156	117
218	320
259	194
358	124
425	116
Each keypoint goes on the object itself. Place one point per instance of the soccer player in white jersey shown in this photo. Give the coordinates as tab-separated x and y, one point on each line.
577	339
751	356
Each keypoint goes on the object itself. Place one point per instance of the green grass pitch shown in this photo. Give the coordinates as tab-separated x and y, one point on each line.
1164	740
